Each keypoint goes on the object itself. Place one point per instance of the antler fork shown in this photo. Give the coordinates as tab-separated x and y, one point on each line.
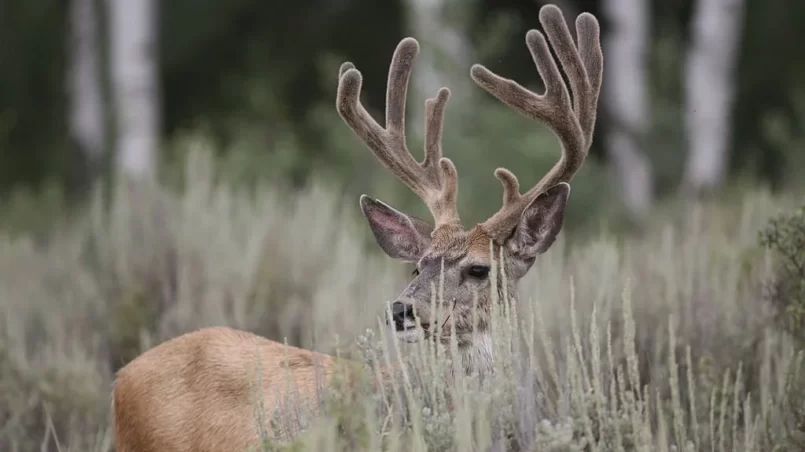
572	123
434	179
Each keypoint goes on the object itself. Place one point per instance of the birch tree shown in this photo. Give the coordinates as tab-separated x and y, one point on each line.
445	54
625	99
86	111
133	46
710	89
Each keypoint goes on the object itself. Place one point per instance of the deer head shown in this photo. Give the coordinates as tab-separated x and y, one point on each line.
446	254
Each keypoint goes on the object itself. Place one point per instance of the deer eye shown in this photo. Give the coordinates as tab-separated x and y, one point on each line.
478	271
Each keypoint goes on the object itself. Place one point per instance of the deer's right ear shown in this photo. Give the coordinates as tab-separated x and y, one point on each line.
401	236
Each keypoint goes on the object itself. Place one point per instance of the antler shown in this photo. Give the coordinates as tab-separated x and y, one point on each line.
434	179
572	123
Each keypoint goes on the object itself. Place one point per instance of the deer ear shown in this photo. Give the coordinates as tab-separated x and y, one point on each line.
540	223
401	236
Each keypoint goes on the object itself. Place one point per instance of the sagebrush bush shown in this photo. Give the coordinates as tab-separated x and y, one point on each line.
785	236
663	341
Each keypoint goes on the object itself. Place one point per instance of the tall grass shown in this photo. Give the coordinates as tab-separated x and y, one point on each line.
662	341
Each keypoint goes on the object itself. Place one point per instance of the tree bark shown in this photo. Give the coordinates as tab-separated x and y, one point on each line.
710	88
625	100
86	109
133	36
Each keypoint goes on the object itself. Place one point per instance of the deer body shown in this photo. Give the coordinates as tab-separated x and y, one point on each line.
192	393
197	392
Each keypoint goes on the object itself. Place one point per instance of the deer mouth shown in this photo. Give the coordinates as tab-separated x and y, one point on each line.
409	331
412	329
406	325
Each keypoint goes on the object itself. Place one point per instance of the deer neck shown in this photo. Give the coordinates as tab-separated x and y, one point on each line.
477	357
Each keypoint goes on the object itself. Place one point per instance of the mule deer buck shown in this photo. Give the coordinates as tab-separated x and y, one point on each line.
193	393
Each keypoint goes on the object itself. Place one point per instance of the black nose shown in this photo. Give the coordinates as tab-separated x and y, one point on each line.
399	312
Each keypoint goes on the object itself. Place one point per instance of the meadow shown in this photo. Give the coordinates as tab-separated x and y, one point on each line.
680	337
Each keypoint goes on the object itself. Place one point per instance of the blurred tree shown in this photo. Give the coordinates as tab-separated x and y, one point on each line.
133	56
86	110
221	64
710	87
625	100
445	53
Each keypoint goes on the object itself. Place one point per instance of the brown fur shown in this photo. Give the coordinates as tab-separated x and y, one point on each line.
194	392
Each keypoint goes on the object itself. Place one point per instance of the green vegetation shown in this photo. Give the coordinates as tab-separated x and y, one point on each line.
668	340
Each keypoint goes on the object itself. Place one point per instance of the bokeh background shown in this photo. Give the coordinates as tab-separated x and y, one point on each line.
699	95
169	165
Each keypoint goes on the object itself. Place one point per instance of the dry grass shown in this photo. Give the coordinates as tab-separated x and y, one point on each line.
658	342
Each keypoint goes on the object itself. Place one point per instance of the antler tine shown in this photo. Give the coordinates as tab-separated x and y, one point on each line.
572	122
435	179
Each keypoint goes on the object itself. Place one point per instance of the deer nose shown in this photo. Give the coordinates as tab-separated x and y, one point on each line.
400	312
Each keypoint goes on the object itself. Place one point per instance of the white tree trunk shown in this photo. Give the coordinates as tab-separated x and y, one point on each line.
710	86
444	56
86	115
625	98
133	36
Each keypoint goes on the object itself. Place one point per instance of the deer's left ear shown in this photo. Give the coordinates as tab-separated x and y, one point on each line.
540	223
